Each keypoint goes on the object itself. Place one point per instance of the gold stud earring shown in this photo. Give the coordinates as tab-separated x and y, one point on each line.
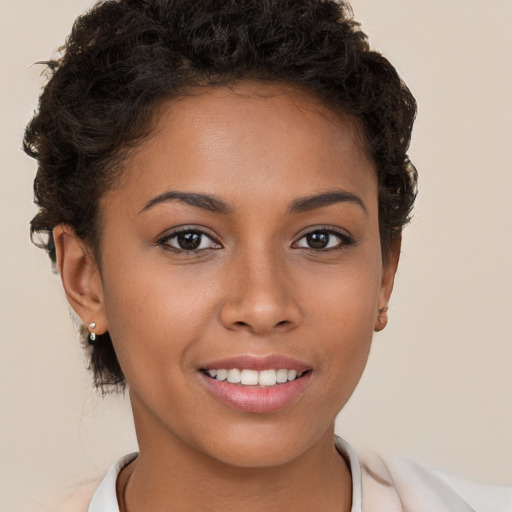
382	319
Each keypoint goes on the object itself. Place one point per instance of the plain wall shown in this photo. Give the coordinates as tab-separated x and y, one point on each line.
438	386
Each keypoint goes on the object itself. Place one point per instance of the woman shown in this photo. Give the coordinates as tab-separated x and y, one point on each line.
223	186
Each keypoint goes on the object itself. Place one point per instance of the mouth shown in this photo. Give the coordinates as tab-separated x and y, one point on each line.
256	384
248	377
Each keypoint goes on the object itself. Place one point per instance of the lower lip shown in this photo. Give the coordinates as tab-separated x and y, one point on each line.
257	399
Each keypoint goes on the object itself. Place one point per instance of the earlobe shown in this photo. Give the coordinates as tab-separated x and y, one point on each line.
382	319
80	277
388	278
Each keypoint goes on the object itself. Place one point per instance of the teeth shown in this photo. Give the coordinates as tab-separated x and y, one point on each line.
282	376
253	377
267	378
249	377
221	374
292	374
234	376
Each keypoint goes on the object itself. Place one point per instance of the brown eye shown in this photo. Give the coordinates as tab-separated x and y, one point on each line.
323	239
189	240
318	240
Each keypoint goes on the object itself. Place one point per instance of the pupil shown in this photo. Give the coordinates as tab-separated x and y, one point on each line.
189	241
318	240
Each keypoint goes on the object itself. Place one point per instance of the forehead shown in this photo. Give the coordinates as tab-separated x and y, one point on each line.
249	139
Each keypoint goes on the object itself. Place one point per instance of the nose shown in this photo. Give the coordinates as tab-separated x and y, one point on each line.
259	296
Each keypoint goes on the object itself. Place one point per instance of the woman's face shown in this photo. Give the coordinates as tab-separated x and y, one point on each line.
243	236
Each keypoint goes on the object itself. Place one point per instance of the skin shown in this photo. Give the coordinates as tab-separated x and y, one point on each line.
255	287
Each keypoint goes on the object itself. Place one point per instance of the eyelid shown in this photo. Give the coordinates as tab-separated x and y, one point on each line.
174	232
345	238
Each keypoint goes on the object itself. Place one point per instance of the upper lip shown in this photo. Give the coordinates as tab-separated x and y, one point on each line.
258	363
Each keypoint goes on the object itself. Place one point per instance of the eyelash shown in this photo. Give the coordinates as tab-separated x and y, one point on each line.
345	240
174	234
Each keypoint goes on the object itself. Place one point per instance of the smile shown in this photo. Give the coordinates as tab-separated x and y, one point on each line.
256	384
248	377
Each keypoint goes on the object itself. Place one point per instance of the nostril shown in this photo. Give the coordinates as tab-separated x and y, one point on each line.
241	324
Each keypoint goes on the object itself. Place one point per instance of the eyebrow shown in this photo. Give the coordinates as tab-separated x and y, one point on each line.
210	203
326	199
216	205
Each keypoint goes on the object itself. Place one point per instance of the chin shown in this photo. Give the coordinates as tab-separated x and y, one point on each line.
262	446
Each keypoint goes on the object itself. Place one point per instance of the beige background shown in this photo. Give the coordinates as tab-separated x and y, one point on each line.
439	383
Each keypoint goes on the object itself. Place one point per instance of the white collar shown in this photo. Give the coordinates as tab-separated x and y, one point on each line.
350	456
105	497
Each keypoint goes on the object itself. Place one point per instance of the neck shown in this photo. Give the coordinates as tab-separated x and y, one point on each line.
169	472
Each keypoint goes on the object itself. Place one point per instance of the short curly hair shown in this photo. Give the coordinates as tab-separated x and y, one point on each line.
123	58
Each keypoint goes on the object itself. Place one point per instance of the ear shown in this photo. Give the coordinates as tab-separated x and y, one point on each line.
386	286
80	277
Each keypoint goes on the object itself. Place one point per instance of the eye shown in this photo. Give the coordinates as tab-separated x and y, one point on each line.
323	239
189	240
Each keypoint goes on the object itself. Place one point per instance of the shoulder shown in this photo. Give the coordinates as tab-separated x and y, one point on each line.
391	484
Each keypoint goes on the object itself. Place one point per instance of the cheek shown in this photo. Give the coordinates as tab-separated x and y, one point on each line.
345	296
344	316
156	316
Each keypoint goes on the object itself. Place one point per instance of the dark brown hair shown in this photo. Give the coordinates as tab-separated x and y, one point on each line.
124	57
